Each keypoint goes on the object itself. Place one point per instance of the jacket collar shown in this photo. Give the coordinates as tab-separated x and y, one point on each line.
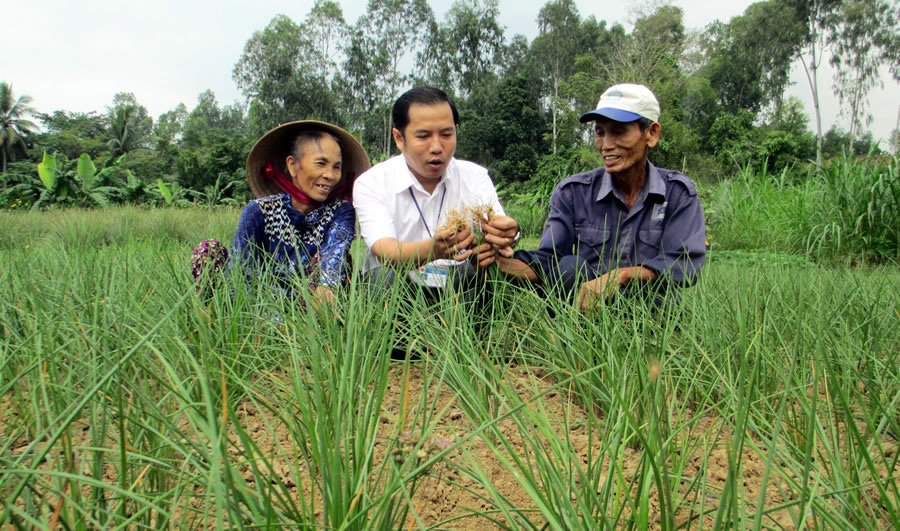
655	183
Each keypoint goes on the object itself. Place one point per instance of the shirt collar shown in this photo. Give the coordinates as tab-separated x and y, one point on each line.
400	177
655	184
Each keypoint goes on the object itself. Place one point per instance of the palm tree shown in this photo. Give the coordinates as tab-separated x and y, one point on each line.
13	124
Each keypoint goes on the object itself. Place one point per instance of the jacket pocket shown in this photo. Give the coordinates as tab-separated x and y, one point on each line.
649	241
597	238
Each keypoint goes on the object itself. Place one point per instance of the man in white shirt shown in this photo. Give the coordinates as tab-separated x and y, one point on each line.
403	203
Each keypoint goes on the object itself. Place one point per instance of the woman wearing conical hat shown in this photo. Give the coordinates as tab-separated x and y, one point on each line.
302	222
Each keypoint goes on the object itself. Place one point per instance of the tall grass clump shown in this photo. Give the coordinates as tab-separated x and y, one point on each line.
529	204
861	215
759	211
847	212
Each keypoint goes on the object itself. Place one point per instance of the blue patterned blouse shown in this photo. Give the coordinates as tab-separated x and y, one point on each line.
273	234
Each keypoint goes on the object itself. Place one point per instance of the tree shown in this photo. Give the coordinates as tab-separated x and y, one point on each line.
651	55
894	140
281	74
591	75
866	38
327	31
658	40
13	123
122	138
699	109
515	57
389	32
212	148
167	131
168	127
503	129
818	16
72	133
464	51
555	49
836	142
849	29
129	124
750	57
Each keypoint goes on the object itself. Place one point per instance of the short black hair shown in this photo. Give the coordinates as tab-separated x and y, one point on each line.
644	123
421	96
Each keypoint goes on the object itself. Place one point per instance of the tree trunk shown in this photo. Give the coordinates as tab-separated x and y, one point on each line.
553	104
853	126
896	137
811	70
855	103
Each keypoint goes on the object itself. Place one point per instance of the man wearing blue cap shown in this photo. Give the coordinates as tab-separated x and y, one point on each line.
627	227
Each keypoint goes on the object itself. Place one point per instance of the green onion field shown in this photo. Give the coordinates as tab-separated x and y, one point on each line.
768	396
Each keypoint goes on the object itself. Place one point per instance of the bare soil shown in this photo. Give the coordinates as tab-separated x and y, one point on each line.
449	494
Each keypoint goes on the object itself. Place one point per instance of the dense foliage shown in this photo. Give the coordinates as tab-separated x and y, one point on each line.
721	91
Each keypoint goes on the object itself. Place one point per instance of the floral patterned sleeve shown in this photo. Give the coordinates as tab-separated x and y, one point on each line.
335	248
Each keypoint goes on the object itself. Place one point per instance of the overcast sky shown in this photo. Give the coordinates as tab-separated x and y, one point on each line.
76	55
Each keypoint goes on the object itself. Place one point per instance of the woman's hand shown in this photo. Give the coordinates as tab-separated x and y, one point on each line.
324	299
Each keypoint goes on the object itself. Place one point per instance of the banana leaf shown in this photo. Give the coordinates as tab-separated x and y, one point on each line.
86	171
47	171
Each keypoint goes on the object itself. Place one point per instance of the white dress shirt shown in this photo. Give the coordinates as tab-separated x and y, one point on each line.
385	209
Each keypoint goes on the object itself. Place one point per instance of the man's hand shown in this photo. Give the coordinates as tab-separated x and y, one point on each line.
593	292
513	267
486	255
451	244
501	233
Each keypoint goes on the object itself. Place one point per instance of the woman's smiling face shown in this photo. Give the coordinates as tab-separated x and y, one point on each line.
317	170
623	145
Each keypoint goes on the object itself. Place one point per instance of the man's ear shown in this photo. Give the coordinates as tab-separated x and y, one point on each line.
653	133
398	138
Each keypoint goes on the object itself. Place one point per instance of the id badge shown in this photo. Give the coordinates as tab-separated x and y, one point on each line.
431	275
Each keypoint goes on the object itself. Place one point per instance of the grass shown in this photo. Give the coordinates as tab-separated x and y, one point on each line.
848	212
767	397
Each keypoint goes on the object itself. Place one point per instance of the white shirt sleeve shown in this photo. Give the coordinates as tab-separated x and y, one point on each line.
374	215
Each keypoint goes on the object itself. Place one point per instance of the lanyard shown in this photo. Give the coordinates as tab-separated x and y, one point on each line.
441	207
